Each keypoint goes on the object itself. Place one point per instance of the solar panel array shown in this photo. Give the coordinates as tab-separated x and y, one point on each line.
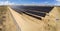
35	10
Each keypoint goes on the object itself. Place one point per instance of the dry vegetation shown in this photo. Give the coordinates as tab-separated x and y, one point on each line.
51	22
6	22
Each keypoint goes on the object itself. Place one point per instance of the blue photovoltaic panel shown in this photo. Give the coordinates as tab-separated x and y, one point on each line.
37	8
37	13
32	10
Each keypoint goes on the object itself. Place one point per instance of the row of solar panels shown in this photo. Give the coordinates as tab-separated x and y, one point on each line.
35	10
38	8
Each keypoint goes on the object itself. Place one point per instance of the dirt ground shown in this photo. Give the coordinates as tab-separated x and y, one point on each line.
51	22
10	20
6	20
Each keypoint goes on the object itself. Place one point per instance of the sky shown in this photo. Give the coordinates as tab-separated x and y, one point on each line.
30	2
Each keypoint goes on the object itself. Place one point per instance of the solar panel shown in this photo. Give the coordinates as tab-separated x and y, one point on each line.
32	16
37	13
37	8
32	10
